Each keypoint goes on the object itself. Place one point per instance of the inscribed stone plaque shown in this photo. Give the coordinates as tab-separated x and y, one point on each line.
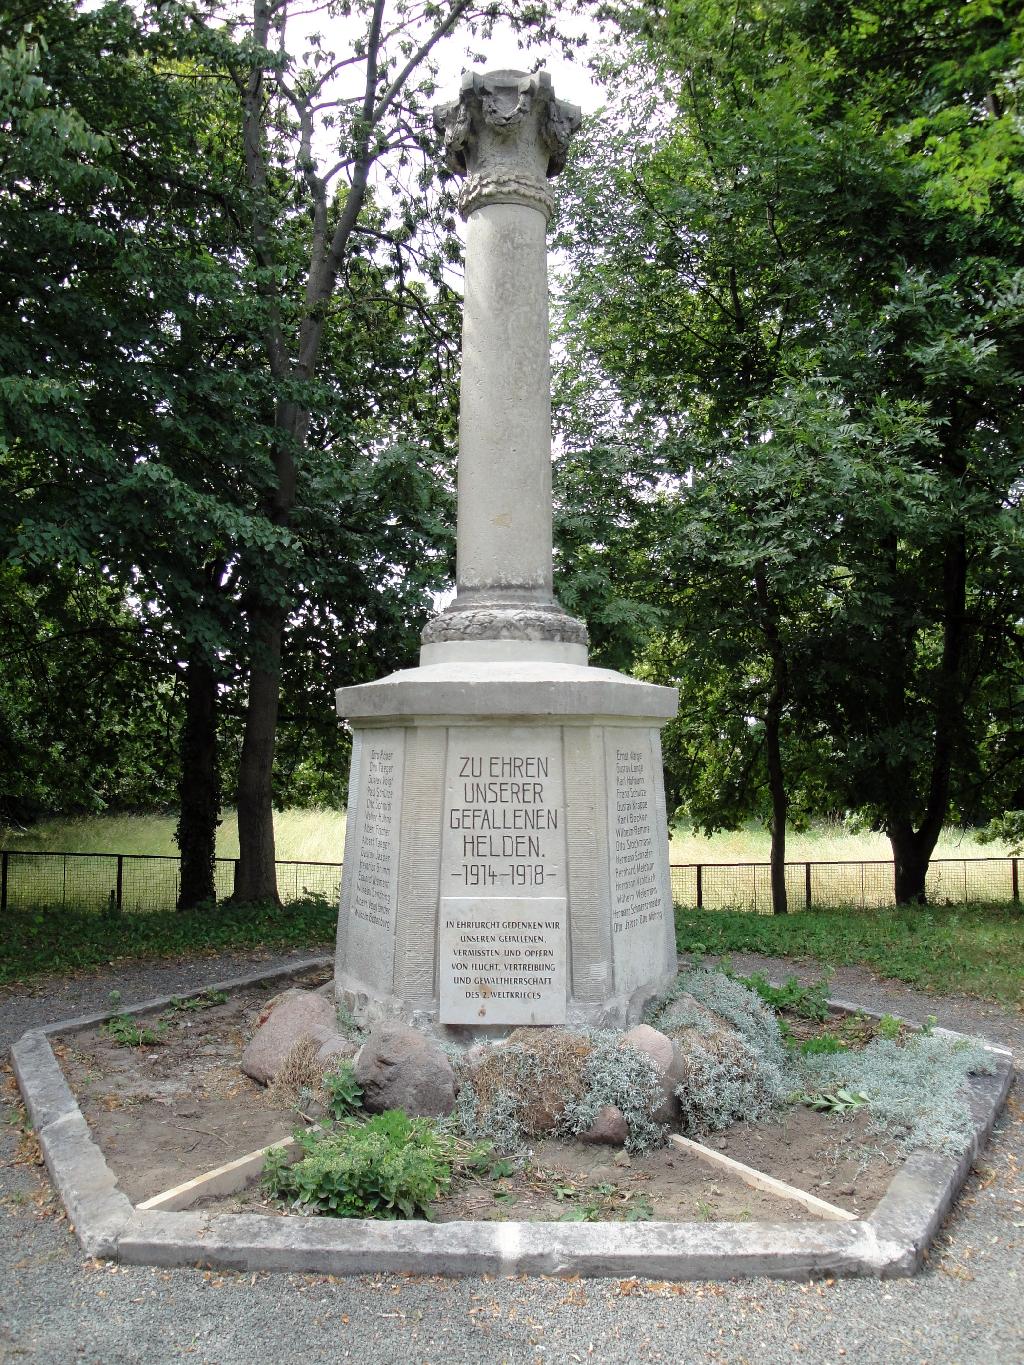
640	900
502	960
371	862
504	813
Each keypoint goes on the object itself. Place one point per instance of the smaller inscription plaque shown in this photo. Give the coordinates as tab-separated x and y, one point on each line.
503	960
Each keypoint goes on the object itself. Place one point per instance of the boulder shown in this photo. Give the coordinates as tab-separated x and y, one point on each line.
336	1049
399	1068
609	1127
294	1015
661	1052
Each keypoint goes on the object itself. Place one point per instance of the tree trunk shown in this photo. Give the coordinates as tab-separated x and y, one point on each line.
912	849
780	810
199	785
256	875
911	853
773	740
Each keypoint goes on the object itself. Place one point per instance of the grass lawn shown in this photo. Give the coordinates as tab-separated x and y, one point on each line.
319	836
315	836
974	949
63	939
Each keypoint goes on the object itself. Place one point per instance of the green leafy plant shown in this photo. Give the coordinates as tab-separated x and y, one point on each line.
343	1092
639	1209
823	1045
889	1027
837	1102
129	1033
809	1002
390	1166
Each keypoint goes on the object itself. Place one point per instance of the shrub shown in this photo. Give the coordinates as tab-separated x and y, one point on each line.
390	1166
521	1087
343	1092
915	1092
299	1075
617	1074
734	1061
728	999
544	1081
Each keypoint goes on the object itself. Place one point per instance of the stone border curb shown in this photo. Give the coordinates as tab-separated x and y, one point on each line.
892	1241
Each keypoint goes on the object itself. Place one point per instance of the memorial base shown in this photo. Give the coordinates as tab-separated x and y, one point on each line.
506	855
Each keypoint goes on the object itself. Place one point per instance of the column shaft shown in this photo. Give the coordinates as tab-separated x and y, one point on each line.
504	531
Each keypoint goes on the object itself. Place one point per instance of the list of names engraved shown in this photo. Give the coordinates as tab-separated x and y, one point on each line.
637	898
503	960
373	894
504	816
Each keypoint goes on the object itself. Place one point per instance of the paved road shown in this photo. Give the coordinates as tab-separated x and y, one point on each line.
966	1306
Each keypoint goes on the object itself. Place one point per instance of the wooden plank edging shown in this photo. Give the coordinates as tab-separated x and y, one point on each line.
760	1181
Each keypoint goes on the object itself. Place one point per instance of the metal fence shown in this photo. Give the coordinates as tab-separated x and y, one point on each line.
747	886
140	882
133	882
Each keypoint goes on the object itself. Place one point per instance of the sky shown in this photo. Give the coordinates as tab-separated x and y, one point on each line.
571	79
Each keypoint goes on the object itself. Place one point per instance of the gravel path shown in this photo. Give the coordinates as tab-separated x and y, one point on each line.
54	1306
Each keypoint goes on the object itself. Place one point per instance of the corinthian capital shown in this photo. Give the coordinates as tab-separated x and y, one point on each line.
507	135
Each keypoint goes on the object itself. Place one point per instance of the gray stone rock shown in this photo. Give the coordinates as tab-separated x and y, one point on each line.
661	1052
296	1014
399	1068
336	1049
609	1128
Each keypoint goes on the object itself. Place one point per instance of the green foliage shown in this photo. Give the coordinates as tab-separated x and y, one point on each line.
889	1027
915	1091
824	1045
390	1166
343	1091
975	949
62	938
719	994
795	303
130	1033
808	1002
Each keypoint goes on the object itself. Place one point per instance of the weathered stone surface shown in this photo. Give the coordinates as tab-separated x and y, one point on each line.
661	1052
296	1014
336	1049
399	1068
609	1127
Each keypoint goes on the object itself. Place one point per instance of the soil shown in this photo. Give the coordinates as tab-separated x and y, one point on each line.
165	1113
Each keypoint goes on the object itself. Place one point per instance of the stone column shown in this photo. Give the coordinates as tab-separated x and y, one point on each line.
506	858
507	135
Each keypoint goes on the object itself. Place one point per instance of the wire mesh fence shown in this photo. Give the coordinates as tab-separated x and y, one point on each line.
747	886
134	883
140	882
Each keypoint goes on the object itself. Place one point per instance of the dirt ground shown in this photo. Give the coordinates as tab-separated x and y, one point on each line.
166	1112
163	1114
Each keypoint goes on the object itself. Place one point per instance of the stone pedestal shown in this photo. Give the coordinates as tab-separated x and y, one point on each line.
506	856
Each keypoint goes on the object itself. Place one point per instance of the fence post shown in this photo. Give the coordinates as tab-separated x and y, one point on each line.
700	886
120	881
1013	879
4	857
807	885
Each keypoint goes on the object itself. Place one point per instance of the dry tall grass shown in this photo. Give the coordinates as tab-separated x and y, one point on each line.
319	836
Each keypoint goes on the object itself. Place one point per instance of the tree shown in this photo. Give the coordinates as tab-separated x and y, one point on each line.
142	440
828	208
